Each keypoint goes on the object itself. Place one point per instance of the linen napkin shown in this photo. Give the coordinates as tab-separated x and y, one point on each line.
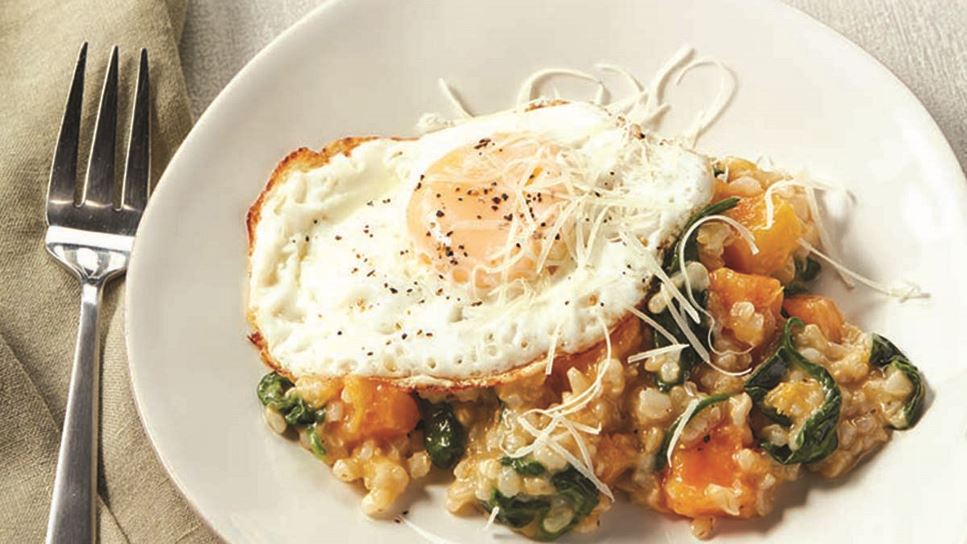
39	304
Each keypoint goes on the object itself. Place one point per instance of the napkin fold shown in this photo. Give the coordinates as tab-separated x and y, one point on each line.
39	300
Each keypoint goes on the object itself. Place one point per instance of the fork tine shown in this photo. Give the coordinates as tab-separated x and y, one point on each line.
135	188
63	170
99	186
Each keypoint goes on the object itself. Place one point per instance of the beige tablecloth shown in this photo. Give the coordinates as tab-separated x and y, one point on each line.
193	54
39	301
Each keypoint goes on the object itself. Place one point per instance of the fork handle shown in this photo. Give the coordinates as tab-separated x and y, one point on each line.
73	505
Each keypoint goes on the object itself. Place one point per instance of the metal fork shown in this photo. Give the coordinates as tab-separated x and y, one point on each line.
91	235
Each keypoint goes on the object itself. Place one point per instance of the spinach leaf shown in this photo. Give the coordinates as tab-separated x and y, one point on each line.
806	271
518	511
884	351
691	245
313	433
914	405
578	492
817	437
688	357
523	465
271	391
300	413
661	456
885	354
529	514
443	436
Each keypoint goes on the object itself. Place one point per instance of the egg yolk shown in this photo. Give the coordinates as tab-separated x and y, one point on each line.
488	211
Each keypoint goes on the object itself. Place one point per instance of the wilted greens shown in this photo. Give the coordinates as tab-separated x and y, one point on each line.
885	354
443	436
806	271
688	357
523	465
817	437
535	516
315	441
273	392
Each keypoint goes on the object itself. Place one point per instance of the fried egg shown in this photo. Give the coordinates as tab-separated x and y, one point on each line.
468	254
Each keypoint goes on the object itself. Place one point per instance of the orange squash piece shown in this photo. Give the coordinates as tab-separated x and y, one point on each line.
776	242
738	168
377	410
709	461
726	287
818	310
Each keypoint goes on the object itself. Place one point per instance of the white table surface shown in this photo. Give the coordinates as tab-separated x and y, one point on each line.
922	41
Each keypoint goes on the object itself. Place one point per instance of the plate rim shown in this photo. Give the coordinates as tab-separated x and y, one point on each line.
940	144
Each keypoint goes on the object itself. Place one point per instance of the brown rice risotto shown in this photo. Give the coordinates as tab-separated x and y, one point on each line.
770	383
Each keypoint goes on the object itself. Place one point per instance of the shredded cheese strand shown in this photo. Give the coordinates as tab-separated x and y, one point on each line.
656	87
549	363
657	270
526	92
677	433
911	290
745	233
491	518
824	239
427	535
653	324
705	117
656	352
455	102
770	204
587	472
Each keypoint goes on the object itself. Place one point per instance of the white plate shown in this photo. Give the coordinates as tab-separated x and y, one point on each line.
807	97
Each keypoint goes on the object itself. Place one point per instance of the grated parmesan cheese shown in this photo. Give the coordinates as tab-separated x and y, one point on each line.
907	291
677	433
491	518
427	535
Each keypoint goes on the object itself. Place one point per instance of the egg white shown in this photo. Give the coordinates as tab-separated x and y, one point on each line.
336	287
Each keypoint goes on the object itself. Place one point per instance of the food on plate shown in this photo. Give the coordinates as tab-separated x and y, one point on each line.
558	308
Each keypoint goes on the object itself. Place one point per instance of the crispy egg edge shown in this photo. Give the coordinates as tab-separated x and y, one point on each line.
304	159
